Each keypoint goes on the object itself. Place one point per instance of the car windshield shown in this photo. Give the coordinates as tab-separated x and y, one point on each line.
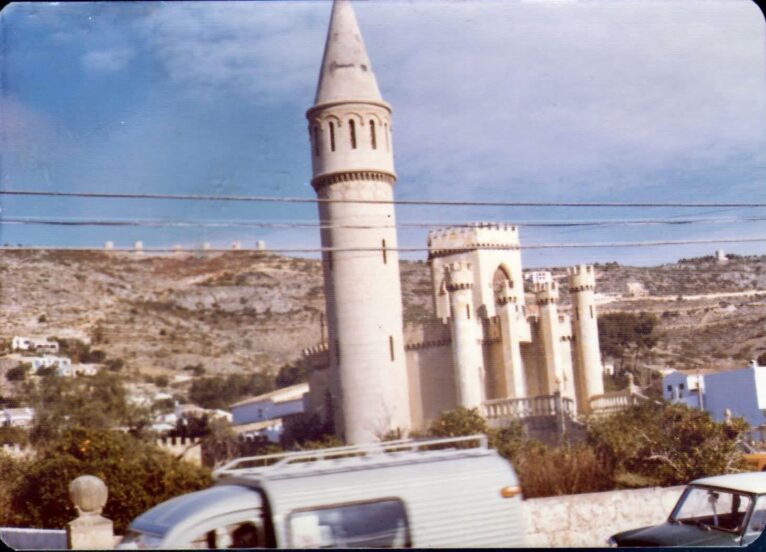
721	509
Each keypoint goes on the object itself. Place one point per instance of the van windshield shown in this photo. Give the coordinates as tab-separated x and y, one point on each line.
708	508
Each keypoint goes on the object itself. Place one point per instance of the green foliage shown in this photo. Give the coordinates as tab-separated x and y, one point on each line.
220	392
97	402
137	474
115	364
196	369
13	435
11	471
761	359
665	444
458	422
46	371
306	430
569	469
80	352
619	331
291	374
542	470
18	372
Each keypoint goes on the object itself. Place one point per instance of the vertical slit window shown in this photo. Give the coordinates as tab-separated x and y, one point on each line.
352	132
329	260
468	312
591	311
577	313
332	136
316	140
385	257
388	142
373	140
391	346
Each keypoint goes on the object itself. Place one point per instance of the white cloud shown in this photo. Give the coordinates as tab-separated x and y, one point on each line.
107	60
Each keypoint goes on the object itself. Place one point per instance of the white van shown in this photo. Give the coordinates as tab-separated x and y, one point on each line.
453	492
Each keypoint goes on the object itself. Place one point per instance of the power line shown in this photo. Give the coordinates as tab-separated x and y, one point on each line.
162	223
653	243
455	203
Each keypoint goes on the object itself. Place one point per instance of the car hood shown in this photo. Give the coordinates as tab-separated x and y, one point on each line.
674	534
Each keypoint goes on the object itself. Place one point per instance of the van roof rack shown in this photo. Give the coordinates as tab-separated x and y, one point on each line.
270	463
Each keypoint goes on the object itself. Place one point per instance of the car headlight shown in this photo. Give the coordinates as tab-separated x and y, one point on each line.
611	542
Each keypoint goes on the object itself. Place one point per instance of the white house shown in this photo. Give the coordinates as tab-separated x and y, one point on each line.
263	416
540	277
276	404
742	391
21	343
17	417
46	361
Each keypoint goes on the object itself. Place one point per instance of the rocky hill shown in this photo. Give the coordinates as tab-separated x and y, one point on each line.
255	311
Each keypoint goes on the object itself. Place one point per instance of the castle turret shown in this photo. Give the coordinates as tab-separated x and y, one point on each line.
514	329
352	160
587	355
466	349
551	372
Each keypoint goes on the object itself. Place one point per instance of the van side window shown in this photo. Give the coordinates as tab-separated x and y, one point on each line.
377	524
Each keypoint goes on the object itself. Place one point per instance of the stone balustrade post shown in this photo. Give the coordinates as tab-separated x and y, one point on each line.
90	530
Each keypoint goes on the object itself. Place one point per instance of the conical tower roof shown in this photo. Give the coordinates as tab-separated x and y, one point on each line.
346	73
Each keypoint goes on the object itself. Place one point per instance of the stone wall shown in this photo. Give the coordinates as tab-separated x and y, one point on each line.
589	519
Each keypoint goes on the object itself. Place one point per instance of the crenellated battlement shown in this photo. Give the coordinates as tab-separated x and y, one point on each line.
315	350
581	277
459	275
546	293
505	295
480	235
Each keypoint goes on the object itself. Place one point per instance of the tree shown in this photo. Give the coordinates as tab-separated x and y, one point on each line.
761	359
623	332
291	374
220	392
137	474
98	402
18	372
659	443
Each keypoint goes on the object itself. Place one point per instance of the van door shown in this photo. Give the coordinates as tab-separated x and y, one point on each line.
238	530
378	523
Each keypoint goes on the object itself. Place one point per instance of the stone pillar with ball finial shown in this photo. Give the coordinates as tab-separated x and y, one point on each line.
90	530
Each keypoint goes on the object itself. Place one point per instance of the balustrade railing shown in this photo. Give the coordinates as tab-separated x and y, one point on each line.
527	407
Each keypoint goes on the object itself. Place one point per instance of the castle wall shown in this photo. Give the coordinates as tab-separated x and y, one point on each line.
430	371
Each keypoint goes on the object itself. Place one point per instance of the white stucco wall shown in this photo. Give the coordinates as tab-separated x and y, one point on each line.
737	391
589	519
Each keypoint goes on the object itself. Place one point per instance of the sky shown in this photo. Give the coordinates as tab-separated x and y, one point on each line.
496	101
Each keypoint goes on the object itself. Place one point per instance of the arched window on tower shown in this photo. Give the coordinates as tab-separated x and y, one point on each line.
352	133
499	278
388	140
332	136
316	139
373	139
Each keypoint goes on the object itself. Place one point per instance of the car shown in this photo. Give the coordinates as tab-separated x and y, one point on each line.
453	492
723	510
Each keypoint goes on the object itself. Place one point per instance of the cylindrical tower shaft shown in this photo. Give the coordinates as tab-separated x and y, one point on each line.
587	354
466	349
352	160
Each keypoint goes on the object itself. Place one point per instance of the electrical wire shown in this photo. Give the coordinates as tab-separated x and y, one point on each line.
156	223
179	249
455	203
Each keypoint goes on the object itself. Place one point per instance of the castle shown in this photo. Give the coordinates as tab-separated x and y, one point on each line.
489	343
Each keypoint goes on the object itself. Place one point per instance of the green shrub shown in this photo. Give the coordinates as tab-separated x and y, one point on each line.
137	474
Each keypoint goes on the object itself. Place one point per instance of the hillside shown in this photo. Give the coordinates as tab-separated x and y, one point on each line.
255	311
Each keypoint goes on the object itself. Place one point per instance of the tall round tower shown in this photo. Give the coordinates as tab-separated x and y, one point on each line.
352	160
587	354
